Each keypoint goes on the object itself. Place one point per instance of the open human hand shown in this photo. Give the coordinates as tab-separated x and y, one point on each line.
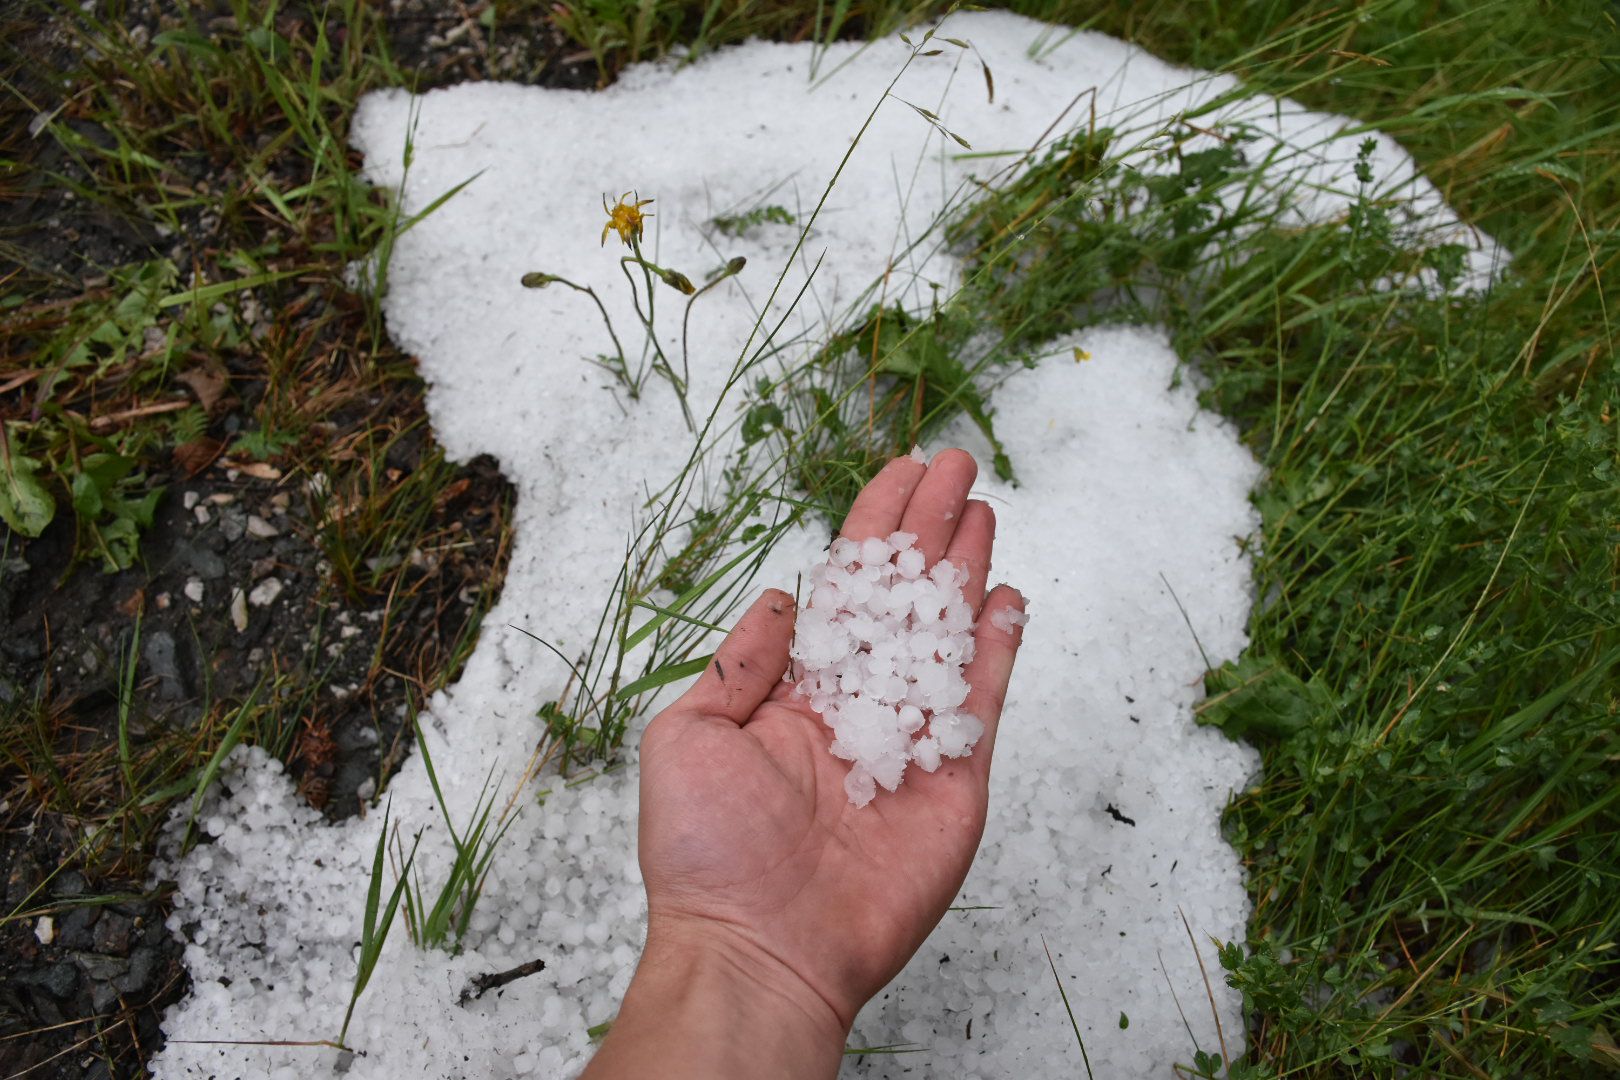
761	877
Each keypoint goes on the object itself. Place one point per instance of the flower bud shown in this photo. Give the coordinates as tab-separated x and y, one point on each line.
678	281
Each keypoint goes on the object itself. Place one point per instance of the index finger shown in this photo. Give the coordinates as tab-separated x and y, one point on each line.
882	502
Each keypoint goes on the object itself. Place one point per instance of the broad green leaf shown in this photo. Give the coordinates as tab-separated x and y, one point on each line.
87	500
1257	696
25	505
760	421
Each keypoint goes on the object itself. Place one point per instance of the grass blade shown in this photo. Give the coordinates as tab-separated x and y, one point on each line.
666	674
1065	996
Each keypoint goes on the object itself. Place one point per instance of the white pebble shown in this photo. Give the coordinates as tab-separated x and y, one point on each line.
265	592
260	528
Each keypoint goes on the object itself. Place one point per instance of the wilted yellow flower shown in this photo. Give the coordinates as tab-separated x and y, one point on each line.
624	217
1080	355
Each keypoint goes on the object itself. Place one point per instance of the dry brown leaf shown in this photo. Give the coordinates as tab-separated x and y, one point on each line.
259	470
133	604
209	387
451	491
197	455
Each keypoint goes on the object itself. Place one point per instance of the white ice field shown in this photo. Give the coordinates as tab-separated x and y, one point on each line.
1106	796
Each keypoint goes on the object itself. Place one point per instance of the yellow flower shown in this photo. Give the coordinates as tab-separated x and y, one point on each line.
624	217
1080	355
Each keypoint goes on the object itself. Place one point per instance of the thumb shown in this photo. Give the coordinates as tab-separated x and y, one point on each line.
748	664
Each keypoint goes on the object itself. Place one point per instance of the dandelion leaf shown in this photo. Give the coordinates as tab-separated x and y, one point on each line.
25	505
1257	697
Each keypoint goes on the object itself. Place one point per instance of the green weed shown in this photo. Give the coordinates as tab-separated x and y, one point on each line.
442	923
377	920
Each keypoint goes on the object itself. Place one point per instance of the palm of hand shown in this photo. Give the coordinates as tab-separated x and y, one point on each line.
745	823
754	828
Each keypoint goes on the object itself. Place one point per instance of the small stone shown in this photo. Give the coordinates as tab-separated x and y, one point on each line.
69	883
263	568
232	524
265	592
112	934
367	789
260	529
239	614
160	654
143	965
45	930
280	501
76	929
356	736
189	500
208	565
194	590
202	514
222	498
102	968
59	980
163	601
103	996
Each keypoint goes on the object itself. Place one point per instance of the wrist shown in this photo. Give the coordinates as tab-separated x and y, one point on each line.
707	1001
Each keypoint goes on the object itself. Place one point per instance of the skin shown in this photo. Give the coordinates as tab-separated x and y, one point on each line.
775	908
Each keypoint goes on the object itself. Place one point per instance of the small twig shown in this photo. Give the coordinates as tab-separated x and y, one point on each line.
1188	620
1220	1032
479	985
18	380
262	1042
102	423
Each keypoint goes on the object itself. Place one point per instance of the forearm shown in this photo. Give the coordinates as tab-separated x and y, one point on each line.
711	1006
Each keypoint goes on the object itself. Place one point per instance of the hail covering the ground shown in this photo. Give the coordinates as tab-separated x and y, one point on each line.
1106	796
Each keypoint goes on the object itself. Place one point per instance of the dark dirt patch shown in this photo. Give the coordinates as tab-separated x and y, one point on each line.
96	974
237	605
440	44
